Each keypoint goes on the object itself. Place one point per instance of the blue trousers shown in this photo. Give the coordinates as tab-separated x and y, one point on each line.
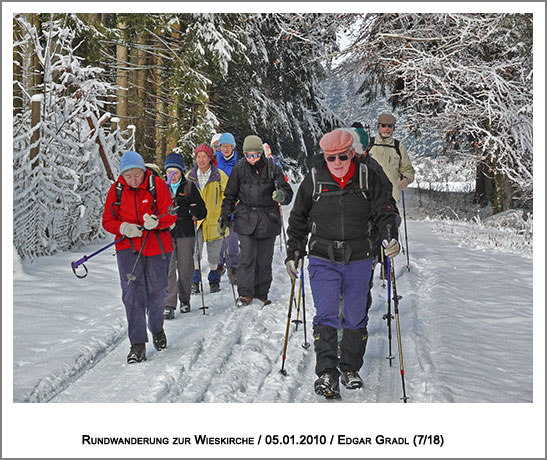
329	281
144	298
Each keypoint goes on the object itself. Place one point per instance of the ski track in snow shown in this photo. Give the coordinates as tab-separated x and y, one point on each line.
455	336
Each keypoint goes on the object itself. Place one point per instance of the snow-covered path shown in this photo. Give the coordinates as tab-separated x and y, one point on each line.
466	317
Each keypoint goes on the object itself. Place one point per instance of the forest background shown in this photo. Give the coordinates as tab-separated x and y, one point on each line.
89	86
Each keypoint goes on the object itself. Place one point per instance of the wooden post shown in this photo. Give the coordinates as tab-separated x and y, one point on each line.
36	102
101	151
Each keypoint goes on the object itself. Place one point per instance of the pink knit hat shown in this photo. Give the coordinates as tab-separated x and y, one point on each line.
208	150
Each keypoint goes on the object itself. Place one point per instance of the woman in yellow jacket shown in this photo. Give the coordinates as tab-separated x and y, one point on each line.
211	183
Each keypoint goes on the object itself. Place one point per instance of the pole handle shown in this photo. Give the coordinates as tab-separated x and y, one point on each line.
74	267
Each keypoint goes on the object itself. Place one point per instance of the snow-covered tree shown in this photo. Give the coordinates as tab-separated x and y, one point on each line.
468	76
60	181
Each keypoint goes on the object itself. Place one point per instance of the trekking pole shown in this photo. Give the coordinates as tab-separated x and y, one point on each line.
203	307
283	236
131	276
228	266
396	299
388	316
293	281
382	268
77	263
406	233
306	345
297	321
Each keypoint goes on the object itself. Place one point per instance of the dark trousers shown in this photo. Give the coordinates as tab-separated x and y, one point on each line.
144	297
182	263
254	271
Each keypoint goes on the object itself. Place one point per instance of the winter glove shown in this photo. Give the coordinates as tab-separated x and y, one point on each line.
278	195
292	269
402	183
150	222
222	227
130	230
392	248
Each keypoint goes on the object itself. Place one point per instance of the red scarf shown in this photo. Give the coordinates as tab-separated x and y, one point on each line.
342	181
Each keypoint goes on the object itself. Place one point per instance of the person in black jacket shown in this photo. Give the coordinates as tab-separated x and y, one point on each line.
342	203
255	190
191	208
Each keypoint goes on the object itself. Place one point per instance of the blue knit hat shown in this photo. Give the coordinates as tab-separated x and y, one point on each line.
227	138
131	160
174	160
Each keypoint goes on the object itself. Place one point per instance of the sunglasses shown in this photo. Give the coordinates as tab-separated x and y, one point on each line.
252	155
331	158
383	125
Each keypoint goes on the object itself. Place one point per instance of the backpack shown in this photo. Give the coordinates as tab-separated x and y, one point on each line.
395	146
318	191
151	189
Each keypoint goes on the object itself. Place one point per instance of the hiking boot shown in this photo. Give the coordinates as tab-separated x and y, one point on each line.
169	313
184	307
137	353
265	301
327	385
351	380
214	287
160	340
195	288
243	301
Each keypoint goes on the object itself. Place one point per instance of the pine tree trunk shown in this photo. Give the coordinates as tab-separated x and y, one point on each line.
17	72
122	82
37	71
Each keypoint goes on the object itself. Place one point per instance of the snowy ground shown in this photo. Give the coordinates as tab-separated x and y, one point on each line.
467	325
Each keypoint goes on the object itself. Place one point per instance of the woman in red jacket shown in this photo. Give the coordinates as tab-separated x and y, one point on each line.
131	212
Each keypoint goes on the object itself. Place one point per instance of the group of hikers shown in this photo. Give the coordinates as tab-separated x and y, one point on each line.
344	217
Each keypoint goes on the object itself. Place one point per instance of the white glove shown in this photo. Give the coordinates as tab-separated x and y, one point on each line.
130	230
150	222
392	248
402	183
292	270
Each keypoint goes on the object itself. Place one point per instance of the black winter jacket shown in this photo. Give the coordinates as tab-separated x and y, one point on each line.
190	205
248	196
344	225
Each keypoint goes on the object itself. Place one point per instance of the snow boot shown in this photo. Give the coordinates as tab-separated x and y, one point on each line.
137	353
160	340
327	385
169	313
214	281
243	301
184	307
351	380
265	300
195	288
352	349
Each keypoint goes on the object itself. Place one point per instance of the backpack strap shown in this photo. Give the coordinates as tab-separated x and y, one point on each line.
363	185
396	145
152	190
